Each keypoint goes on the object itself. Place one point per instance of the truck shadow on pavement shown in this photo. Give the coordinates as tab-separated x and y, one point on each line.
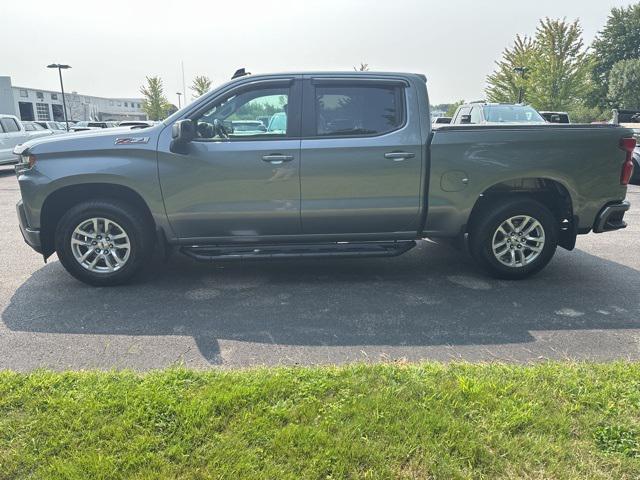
430	296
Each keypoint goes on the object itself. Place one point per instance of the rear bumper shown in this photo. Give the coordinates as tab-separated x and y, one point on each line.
611	217
31	236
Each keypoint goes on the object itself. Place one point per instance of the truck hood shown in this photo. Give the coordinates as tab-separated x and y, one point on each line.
89	140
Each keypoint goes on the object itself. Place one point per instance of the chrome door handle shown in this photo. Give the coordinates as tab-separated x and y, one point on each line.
277	158
399	156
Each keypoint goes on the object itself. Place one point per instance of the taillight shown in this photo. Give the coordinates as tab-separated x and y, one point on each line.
627	144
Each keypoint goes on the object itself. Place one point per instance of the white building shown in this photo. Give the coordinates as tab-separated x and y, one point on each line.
34	104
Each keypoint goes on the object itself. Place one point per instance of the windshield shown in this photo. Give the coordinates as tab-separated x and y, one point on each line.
511	114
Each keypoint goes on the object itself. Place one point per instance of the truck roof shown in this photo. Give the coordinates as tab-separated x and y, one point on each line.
340	73
480	102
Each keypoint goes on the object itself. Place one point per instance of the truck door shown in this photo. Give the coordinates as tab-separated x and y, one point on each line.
361	162
239	177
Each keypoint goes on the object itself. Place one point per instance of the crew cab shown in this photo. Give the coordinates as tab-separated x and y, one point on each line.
354	169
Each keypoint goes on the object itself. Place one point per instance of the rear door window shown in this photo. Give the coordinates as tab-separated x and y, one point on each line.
357	110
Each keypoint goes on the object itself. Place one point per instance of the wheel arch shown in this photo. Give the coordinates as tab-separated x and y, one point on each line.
550	192
61	199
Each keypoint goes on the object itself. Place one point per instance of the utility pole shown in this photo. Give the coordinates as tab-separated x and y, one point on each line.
179	95
184	88
61	67
521	71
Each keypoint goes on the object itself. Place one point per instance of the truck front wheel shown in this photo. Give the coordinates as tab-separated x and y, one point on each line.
514	238
103	242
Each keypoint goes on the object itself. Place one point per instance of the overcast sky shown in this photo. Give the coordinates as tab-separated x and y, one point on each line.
113	44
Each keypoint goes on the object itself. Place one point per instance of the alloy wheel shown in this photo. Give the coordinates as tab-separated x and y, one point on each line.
518	241
100	245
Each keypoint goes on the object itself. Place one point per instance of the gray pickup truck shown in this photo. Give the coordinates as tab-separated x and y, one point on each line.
353	170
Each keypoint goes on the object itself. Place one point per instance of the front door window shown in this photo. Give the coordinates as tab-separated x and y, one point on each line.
251	114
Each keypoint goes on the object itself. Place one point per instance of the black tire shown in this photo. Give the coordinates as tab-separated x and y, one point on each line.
491	217
134	223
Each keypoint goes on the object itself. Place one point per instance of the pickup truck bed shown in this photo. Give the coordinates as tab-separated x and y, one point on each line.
580	160
354	169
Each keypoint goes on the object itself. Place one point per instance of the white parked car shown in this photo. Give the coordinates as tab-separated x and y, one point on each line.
85	125
35	130
12	133
482	113
437	122
55	127
136	124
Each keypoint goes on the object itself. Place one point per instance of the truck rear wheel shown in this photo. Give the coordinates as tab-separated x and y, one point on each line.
103	242
514	239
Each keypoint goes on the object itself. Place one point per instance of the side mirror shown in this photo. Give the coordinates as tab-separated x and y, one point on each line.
182	132
465	119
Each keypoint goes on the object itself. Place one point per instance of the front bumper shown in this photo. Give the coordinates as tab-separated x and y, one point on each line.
31	236
611	217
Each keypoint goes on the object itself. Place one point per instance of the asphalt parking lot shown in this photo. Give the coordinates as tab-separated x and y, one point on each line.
431	303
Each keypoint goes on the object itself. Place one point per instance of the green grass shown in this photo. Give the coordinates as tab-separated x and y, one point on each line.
424	421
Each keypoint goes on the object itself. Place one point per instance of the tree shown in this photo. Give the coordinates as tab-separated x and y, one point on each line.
552	69
201	85
505	83
624	84
560	69
154	103
170	109
453	107
364	67
582	113
618	40
443	108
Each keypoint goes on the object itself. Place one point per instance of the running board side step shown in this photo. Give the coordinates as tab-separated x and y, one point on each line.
210	253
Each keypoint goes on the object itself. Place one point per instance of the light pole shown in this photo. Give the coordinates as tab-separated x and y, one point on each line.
179	95
61	67
521	71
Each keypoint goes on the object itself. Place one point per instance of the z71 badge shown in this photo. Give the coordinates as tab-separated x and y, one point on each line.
131	140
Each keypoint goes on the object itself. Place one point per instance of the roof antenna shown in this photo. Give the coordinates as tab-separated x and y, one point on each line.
241	72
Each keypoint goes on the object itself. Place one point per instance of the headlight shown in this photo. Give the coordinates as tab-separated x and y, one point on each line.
28	161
